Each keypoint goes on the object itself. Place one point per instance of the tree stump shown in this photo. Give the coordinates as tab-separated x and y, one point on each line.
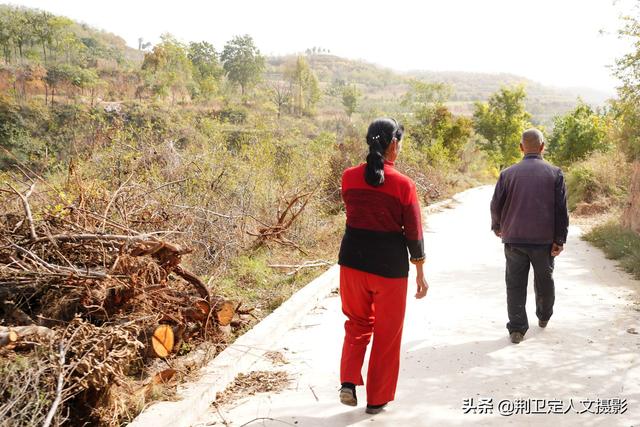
225	313
7	338
15	335
159	341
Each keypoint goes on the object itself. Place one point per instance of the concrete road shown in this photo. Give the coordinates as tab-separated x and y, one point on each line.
458	366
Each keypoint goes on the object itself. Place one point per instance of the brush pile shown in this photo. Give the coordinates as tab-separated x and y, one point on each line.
85	305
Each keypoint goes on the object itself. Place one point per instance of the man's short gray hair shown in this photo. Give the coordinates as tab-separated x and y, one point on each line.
532	138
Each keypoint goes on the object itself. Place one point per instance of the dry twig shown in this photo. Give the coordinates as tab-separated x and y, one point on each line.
60	384
27	208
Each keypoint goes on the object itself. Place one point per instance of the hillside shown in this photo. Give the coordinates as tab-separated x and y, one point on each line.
473	86
382	87
44	31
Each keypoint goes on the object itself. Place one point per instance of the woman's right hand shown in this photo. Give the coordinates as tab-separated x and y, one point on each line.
423	286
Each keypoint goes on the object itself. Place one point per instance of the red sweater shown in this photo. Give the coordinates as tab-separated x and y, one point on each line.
382	222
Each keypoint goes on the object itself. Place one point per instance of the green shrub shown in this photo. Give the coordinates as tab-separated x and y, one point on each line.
604	177
19	126
582	186
234	115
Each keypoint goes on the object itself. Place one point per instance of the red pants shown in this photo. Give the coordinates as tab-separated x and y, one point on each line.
375	305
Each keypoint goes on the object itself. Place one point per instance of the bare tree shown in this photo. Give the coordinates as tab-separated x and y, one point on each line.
279	94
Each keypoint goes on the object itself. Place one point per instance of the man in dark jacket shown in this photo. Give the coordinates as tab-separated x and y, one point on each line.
529	213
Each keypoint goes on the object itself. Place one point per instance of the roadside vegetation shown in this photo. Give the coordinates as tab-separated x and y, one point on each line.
618	243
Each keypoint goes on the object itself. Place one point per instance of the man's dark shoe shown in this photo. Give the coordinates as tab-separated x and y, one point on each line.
516	337
348	394
543	323
375	409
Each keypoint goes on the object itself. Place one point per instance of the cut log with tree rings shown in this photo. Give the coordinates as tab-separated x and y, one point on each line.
225	313
202	306
199	312
7	338
162	341
24	337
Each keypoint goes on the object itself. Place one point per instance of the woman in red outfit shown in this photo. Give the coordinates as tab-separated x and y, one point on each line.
383	221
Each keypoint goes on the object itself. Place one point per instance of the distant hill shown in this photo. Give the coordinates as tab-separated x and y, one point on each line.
543	102
472	86
382	87
111	43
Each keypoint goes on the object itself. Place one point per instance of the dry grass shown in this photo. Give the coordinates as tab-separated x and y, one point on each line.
598	184
276	357
252	383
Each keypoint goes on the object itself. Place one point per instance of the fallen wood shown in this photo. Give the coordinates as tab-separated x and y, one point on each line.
163	251
114	298
95	237
285	218
57	268
7	338
15	335
225	313
27	209
111	201
199	312
60	384
161	341
195	281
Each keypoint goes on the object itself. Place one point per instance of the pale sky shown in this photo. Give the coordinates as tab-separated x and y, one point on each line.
555	42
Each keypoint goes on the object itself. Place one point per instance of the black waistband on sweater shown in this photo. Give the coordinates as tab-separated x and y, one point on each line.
376	252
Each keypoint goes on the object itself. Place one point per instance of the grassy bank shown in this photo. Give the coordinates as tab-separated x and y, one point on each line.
618	243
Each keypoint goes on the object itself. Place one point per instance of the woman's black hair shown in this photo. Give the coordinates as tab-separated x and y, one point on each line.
380	134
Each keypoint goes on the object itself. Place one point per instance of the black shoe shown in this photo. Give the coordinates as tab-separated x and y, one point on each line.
375	409
516	337
348	394
543	323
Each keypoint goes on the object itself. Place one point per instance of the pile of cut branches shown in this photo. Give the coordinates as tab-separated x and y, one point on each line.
85	305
